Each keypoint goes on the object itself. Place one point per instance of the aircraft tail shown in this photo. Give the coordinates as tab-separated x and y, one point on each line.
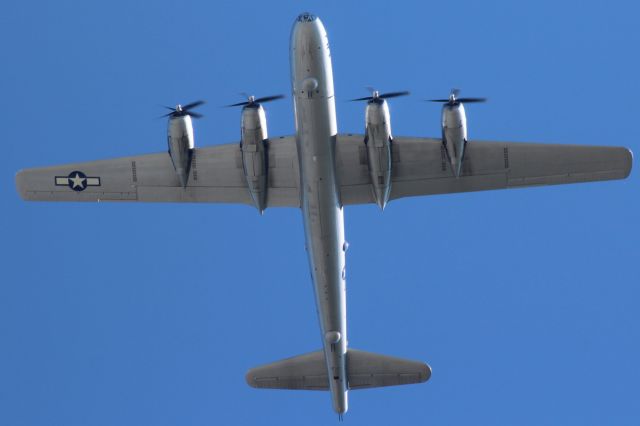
364	370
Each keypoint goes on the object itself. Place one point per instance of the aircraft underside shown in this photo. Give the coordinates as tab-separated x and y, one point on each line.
320	171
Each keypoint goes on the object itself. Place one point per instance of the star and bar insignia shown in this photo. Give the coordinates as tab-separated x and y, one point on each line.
77	181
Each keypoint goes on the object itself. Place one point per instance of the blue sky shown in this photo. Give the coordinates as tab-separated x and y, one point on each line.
524	302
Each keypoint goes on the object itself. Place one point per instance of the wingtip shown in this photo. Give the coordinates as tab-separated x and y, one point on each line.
630	160
250	379
426	373
20	187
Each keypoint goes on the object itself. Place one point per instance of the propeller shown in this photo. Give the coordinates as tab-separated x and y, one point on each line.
375	95
253	101
182	110
455	100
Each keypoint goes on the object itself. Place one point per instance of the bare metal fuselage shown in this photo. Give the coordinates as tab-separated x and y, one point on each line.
316	130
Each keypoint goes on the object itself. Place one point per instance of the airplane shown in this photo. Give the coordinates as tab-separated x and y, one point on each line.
321	171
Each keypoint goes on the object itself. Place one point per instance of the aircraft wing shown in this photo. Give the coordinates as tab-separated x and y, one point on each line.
420	166
216	176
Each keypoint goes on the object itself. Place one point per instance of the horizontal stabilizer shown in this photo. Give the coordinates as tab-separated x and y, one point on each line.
371	370
303	372
364	370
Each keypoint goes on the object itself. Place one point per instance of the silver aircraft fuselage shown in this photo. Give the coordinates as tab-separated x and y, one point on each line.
316	130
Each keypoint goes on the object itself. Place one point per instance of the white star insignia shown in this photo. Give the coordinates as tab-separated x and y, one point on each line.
77	181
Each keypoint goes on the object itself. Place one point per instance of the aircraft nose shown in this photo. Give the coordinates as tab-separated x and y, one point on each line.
307	31
306	17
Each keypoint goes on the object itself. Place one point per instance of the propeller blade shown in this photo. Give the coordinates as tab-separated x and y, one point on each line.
393	94
471	100
195	114
168	107
238	104
268	99
192	105
256	101
454	99
366	98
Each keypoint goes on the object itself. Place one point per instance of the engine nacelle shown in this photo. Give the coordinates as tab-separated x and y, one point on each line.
454	134
253	145
378	141
180	138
